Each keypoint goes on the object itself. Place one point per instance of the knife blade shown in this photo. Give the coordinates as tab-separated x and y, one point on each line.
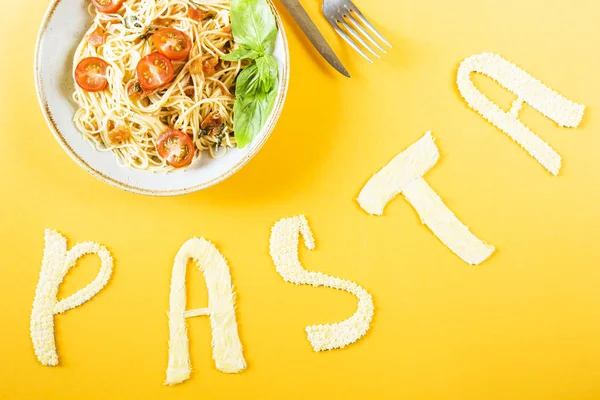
314	35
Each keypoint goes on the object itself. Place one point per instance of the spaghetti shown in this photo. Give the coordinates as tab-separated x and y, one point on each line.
129	120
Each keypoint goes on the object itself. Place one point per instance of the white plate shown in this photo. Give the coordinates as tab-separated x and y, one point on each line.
63	27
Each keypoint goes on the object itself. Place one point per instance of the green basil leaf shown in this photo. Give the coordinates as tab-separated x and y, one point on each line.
243	53
246	121
253	24
267	72
271	97
254	29
248	82
250	114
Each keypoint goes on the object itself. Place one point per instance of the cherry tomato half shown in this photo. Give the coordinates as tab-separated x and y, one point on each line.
90	74
177	148
154	71
108	6
172	43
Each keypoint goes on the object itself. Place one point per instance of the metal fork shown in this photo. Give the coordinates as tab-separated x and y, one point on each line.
350	23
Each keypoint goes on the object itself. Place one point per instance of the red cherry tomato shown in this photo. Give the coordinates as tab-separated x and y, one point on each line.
108	6
90	74
154	71
172	43
177	148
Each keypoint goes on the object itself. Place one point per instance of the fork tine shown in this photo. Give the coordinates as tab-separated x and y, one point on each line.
366	34
353	9
356	36
344	35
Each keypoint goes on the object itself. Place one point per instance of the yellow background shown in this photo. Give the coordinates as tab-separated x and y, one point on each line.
524	325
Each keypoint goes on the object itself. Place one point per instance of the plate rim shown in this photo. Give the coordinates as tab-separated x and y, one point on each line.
58	135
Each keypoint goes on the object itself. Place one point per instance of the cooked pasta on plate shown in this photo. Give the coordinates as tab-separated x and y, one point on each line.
154	83
162	97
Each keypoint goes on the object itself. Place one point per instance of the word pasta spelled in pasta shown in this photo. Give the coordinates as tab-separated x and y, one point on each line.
285	239
561	110
404	174
227	348
56	264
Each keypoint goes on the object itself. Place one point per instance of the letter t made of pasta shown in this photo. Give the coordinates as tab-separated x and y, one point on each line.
404	175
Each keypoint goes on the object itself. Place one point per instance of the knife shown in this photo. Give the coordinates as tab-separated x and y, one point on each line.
312	32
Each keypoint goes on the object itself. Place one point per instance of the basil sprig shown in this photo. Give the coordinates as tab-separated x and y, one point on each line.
254	29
